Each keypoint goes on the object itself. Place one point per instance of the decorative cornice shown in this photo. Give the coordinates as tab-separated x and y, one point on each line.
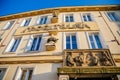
61	9
31	59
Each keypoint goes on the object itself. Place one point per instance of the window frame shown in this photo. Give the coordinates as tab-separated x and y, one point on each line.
39	20
109	16
10	44
24	21
7	25
18	74
32	37
100	38
70	33
85	14
5	71
69	17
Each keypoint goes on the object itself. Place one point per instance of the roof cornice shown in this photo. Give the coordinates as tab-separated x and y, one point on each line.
61	9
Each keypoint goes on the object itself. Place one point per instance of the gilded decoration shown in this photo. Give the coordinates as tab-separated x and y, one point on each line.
58	27
87	58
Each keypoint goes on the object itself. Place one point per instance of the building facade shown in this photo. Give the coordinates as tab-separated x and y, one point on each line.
67	43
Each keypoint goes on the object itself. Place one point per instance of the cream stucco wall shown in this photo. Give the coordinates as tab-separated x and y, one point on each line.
44	71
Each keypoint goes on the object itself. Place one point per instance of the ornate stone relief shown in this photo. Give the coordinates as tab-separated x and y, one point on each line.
88	58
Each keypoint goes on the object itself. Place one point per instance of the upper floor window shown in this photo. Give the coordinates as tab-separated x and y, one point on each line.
24	74
94	41
113	16
87	17
71	41
2	73
42	20
69	18
13	45
8	25
26	22
34	43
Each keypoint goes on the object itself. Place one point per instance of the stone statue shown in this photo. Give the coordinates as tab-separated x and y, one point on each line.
55	13
69	59
91	60
51	41
79	59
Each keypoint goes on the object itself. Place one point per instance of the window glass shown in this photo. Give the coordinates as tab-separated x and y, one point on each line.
69	18
71	42
113	16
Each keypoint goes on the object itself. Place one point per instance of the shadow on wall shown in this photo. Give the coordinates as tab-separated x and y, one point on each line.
47	75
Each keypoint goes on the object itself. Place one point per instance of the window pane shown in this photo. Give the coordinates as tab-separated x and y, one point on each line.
45	20
98	41
89	17
113	16
84	18
66	19
15	45
23	74
27	22
41	20
33	44
92	42
71	19
10	25
2	73
38	43
30	74
74	43
68	42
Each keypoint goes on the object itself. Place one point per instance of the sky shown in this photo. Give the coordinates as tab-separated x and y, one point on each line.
8	7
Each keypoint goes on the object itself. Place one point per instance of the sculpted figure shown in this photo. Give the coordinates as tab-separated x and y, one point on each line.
51	41
69	59
79	59
103	59
91	60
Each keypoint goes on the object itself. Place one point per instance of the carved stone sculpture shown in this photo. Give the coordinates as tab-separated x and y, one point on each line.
69	59
79	59
91	60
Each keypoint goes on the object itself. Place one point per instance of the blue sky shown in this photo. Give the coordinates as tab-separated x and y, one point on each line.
8	7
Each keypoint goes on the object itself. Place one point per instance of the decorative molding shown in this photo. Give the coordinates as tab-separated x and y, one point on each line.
60	10
90	70
31	59
58	27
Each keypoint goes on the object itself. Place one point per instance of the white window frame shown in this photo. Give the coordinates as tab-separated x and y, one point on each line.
6	26
48	19
30	42
70	33
23	22
106	13
19	72
87	17
69	15
10	44
100	37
